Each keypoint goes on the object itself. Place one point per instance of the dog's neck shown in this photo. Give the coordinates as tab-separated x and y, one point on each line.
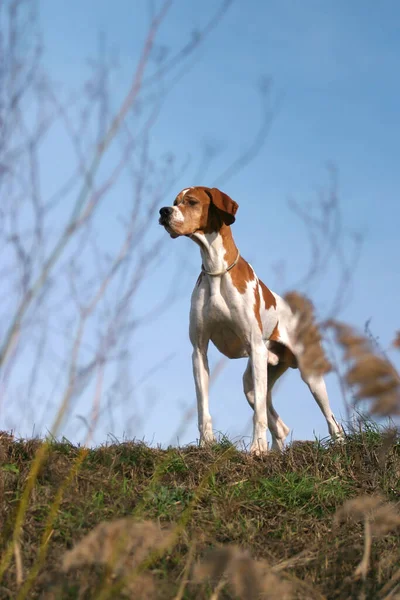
218	249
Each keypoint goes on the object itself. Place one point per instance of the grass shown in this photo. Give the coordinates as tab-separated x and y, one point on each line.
280	509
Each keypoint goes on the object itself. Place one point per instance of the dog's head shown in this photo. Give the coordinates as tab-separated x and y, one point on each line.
198	209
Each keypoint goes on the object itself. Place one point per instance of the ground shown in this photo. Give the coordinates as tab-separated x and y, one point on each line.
278	510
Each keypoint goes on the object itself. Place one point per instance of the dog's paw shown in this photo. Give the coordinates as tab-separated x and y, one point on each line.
259	447
278	445
207	439
339	438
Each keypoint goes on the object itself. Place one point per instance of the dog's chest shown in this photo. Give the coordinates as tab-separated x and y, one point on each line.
224	305
226	315
217	309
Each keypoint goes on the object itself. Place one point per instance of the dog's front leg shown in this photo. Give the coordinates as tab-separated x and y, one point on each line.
201	378
259	359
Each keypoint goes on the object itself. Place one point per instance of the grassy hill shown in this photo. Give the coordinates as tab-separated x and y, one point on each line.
194	523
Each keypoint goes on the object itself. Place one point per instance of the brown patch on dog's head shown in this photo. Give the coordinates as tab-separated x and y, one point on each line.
198	209
224	204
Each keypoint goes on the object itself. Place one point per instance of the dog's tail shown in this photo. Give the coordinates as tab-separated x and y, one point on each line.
305	336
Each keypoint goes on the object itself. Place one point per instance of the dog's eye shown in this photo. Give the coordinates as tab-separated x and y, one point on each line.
193	202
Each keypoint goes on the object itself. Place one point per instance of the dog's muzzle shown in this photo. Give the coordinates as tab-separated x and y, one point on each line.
165	214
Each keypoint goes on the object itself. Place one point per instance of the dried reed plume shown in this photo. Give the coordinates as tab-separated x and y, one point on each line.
396	342
374	377
307	342
383	516
379	518
248	578
121	546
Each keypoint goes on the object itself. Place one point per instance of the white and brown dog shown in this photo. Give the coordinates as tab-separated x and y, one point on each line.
239	314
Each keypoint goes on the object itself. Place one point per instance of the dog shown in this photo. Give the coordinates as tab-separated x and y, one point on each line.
234	309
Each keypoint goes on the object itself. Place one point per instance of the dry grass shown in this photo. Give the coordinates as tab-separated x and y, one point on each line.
260	526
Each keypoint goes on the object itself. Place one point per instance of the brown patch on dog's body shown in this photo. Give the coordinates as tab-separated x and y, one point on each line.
275	334
269	298
279	348
241	274
257	304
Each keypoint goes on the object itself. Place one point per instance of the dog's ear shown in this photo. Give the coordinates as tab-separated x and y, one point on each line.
225	205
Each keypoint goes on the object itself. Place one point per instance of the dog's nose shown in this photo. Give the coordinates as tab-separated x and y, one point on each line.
165	211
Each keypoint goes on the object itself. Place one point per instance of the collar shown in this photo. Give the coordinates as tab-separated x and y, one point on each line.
224	271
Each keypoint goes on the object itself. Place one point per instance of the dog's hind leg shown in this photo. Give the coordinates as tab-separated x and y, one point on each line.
317	387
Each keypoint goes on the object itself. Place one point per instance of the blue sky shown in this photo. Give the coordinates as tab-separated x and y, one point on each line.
335	73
